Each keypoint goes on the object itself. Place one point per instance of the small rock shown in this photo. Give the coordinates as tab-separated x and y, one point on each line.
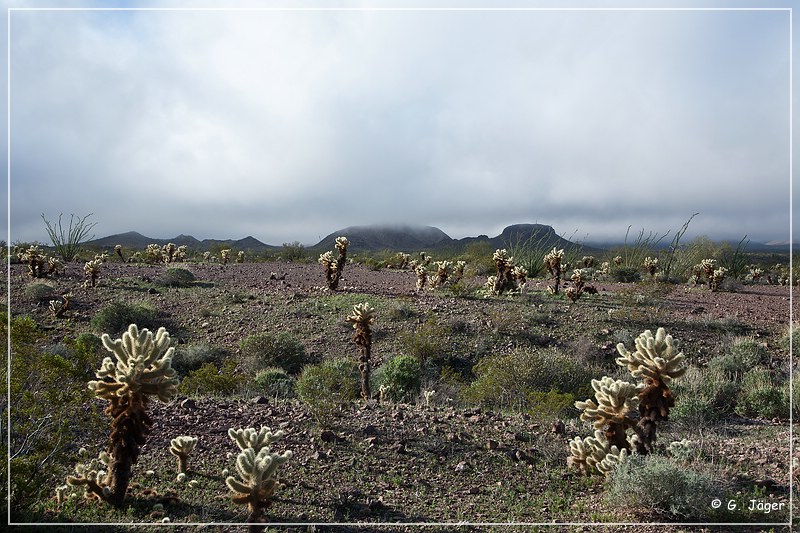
461	467
189	403
260	400
492	444
329	436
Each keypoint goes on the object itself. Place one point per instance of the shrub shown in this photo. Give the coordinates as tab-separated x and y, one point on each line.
399	378
327	386
624	274
429	343
274	382
47	413
293	251
117	316
176	277
40	292
209	380
656	484
703	396
190	357
760	396
510	381
268	350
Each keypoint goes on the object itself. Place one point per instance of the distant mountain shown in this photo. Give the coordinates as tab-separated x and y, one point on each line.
134	240
418	238
398	238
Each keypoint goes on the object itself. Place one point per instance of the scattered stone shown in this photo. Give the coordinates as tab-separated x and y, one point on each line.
189	403
492	444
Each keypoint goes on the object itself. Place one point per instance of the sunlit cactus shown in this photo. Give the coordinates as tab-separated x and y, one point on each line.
504	263
257	469
92	270
168	252
143	368
613	458
520	275
458	272
615	409
152	253
594	455
92	476
58	308
240	257
403	260
363	316
657	361
588	261
225	255
422	276
617	260
181	447
443	270
650	265
553	261
755	273
717	277
579	278
333	268
206	256
36	261
54	265
180	253
118	251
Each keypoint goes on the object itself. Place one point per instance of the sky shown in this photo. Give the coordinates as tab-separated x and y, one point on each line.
288	125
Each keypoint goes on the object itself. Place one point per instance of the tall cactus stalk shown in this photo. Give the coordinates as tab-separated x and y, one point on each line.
362	317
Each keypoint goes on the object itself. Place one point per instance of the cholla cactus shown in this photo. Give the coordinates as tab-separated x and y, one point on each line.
617	260
614	457
92	475
54	265
755	273
333	269
422	276
152	254
363	316
403	260
520	275
118	251
181	447
579	278
225	255
58	308
257	469
240	257
587	452
588	261
180	253
657	361
650	265
615	409
252	438
168	252
424	259
553	262
504	263
143	368
36	261
716	278
206	256
605	268
92	270
458	272
443	270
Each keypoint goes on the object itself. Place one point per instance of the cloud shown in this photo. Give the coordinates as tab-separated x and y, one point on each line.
290	125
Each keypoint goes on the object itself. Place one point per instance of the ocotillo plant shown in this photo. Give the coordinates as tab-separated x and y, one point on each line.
143	368
334	269
257	468
363	316
181	447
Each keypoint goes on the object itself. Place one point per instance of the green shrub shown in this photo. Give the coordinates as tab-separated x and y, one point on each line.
267	350
212	381
40	292
509	381
190	357
117	316
749	351
428	344
50	409
293	251
274	382
549	405
761	397
176	277
400	377
325	387
625	274
703	396
658	485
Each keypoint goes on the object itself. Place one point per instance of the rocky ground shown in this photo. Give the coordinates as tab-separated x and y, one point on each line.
415	463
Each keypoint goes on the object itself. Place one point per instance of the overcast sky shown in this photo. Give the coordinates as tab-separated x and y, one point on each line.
289	125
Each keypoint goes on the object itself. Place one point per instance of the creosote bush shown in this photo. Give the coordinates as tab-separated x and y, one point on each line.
274	382
116	316
176	277
325	387
273	349
399	379
212	381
